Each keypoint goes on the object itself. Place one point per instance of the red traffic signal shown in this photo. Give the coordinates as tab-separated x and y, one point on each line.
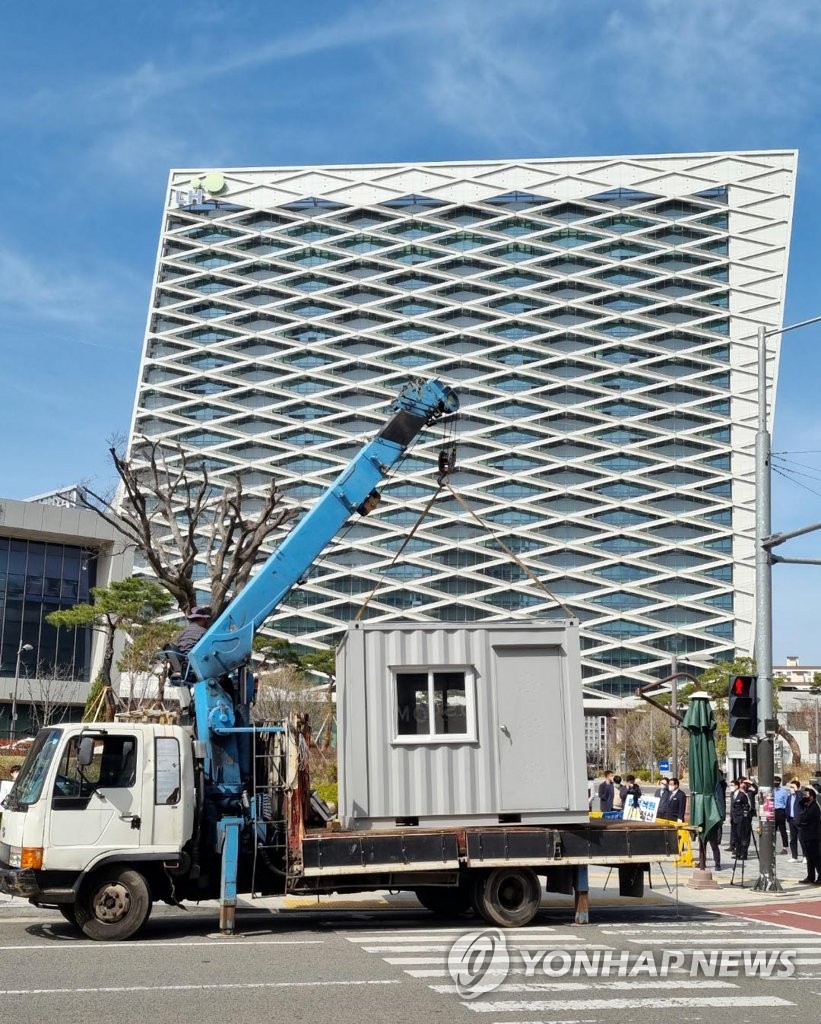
743	707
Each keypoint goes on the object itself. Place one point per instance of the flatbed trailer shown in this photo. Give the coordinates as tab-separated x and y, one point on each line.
489	869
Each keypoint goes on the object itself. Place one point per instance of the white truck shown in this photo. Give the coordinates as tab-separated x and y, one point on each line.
107	818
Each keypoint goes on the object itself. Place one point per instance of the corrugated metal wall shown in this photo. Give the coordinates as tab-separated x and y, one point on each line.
382	779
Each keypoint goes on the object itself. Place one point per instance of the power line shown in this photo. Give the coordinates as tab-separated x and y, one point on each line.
786	467
791	478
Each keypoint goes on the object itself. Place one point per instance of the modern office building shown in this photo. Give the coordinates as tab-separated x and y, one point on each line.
51	554
598	319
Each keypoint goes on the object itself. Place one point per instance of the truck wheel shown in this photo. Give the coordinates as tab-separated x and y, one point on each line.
69	913
444	901
113	904
507	897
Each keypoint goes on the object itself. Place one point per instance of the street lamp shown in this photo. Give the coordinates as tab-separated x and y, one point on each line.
21	649
764	559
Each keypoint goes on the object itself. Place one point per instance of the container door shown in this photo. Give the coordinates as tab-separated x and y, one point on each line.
530	716
97	805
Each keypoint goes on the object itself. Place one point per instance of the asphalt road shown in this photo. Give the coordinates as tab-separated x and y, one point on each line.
346	966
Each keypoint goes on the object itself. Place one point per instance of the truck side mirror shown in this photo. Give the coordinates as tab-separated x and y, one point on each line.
85	753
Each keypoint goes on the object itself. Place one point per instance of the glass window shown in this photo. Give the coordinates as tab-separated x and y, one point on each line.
623	573
623	600
113	766
32	775
434	705
167	782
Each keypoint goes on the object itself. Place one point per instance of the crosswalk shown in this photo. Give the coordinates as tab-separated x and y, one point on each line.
520	989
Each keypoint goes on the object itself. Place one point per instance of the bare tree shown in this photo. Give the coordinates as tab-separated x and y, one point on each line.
285	691
174	514
648	737
50	692
802	719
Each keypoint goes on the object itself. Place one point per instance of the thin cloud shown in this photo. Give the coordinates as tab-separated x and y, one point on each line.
43	292
118	96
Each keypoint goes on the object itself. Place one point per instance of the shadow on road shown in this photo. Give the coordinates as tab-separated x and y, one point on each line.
172	924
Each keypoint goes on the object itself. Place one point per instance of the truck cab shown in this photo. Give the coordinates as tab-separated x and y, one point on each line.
90	796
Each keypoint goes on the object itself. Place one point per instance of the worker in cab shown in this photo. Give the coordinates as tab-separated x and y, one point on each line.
199	619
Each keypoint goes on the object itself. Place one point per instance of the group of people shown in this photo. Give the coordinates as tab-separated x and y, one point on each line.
797	817
616	794
797	810
672	800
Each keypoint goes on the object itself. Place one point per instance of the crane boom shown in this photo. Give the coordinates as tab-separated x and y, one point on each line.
227	644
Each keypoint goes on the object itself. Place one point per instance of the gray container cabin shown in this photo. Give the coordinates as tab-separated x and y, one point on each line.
460	724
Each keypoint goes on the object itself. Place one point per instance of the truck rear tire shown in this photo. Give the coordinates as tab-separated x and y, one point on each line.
445	901
113	904
507	897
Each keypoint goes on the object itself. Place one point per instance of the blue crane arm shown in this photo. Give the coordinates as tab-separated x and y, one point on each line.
227	644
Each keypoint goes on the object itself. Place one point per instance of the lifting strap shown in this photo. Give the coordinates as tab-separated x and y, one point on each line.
443	482
399	551
511	555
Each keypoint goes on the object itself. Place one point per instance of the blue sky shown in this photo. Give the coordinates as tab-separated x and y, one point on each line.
98	101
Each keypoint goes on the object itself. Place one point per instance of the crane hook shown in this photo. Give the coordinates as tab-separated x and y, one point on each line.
447	463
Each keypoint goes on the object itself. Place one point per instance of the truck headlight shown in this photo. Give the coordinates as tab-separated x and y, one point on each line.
23	857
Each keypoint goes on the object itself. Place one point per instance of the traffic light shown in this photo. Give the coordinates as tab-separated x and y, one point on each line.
743	707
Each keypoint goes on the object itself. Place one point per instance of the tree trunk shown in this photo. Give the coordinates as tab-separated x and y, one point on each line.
110	702
793	744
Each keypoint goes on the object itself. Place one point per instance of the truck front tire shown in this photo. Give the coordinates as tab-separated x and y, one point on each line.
113	904
69	912
507	897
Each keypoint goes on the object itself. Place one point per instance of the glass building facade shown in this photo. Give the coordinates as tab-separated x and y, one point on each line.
597	318
37	578
52	554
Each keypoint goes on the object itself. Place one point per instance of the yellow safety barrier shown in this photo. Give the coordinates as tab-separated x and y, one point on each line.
685	844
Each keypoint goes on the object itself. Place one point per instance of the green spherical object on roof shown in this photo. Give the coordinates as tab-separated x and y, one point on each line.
214	181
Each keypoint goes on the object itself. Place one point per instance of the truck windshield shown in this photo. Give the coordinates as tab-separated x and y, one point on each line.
29	784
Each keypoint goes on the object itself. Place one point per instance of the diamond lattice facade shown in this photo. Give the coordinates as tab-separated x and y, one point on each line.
597	318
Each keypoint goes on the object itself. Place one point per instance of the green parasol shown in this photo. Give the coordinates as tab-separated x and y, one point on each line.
703	767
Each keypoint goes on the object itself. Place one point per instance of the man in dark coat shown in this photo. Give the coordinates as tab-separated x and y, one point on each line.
809	831
741	813
663	793
733	844
606	793
713	837
631	792
677	804
793	814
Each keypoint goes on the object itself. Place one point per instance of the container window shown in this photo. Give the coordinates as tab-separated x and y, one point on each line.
434	706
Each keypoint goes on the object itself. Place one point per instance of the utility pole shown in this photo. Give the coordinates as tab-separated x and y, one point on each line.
23	649
765	541
767	881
